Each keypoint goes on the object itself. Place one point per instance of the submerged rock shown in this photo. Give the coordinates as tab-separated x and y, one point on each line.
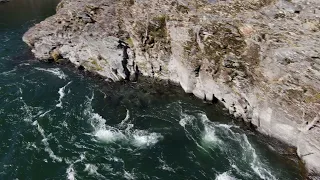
260	58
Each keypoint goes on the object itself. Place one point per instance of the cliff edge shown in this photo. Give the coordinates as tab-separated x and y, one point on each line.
260	58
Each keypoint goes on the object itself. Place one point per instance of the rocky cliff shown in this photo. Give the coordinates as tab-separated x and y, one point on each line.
260	58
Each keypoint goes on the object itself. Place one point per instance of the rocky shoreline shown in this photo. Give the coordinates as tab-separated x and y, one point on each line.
260	58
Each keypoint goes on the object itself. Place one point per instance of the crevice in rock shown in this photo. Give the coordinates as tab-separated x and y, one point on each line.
197	71
152	70
125	59
81	68
136	73
115	71
215	100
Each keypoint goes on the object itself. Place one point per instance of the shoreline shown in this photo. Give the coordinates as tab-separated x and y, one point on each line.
157	85
255	79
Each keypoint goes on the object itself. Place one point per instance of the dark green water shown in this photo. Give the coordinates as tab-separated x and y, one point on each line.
56	123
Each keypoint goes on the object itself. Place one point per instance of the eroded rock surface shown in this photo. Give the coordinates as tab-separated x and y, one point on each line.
260	58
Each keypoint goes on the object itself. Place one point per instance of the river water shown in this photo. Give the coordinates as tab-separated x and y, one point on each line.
58	123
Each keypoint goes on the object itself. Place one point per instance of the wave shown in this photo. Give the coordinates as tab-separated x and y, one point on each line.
165	166
256	164
186	120
124	121
129	176
109	135
124	133
6	73
143	138
209	133
45	113
225	176
46	143
27	111
190	120
213	134
209	136
62	94
71	173
55	71
93	171
102	132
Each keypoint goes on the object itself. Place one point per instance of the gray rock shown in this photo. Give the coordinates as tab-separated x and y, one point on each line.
260	58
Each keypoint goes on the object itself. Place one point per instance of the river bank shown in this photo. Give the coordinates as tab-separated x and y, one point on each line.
237	52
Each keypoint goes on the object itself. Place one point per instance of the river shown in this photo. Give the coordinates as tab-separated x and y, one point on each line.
58	123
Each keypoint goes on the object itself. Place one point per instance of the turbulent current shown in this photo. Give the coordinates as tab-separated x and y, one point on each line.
58	123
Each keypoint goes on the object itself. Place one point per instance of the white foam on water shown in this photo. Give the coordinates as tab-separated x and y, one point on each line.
225	176
186	120
204	117
45	113
116	159
82	157
226	126
124	121
243	173
46	143
64	124
210	136
8	72
24	64
256	165
71	173
28	112
102	132
165	166
108	134
55	71
143	138
91	169
209	133
62	94
129	176
97	121
189	120
31	145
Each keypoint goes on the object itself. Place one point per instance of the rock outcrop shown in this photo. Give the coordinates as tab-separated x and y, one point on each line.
260	58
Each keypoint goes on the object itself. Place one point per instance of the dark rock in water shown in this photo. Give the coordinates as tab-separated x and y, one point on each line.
259	57
4	1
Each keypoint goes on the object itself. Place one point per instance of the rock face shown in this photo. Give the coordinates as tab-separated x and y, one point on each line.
260	58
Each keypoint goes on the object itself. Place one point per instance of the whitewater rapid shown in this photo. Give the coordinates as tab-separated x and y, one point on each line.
120	139
58	123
